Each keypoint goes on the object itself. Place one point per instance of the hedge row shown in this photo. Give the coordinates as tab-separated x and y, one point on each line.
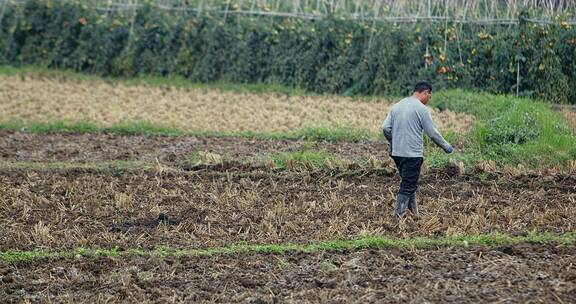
328	55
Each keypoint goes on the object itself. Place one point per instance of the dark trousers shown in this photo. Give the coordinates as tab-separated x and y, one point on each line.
409	169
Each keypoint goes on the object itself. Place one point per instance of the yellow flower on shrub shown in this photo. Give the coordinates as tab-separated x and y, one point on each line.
543	33
483	35
541	67
348	39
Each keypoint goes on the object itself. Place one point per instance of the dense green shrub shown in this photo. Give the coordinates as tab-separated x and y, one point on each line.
329	55
510	129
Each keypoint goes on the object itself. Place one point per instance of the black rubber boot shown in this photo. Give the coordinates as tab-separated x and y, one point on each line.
401	204
413	206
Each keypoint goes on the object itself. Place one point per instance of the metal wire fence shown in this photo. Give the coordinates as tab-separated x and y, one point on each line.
456	11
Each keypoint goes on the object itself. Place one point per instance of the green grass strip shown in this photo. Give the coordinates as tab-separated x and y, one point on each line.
368	242
147	128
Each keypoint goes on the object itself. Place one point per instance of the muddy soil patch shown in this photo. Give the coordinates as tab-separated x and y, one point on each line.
71	208
537	274
94	147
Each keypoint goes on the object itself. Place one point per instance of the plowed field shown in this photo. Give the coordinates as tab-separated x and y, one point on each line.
207	206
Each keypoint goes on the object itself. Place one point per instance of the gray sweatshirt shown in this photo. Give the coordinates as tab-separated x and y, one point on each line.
404	125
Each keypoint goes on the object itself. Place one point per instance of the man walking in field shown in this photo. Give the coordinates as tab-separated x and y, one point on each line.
403	128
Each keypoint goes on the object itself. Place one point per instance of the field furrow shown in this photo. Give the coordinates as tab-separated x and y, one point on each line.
57	209
95	147
514	274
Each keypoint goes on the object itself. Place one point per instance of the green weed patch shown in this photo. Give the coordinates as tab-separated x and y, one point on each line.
147	128
368	242
510	130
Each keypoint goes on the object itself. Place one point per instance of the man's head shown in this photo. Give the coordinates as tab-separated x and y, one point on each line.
422	92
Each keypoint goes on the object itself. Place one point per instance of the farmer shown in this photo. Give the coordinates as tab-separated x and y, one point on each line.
403	129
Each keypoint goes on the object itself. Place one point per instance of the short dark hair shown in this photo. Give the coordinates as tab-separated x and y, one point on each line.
422	86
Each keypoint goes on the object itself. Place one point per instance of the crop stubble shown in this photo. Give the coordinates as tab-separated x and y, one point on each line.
226	205
33	98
